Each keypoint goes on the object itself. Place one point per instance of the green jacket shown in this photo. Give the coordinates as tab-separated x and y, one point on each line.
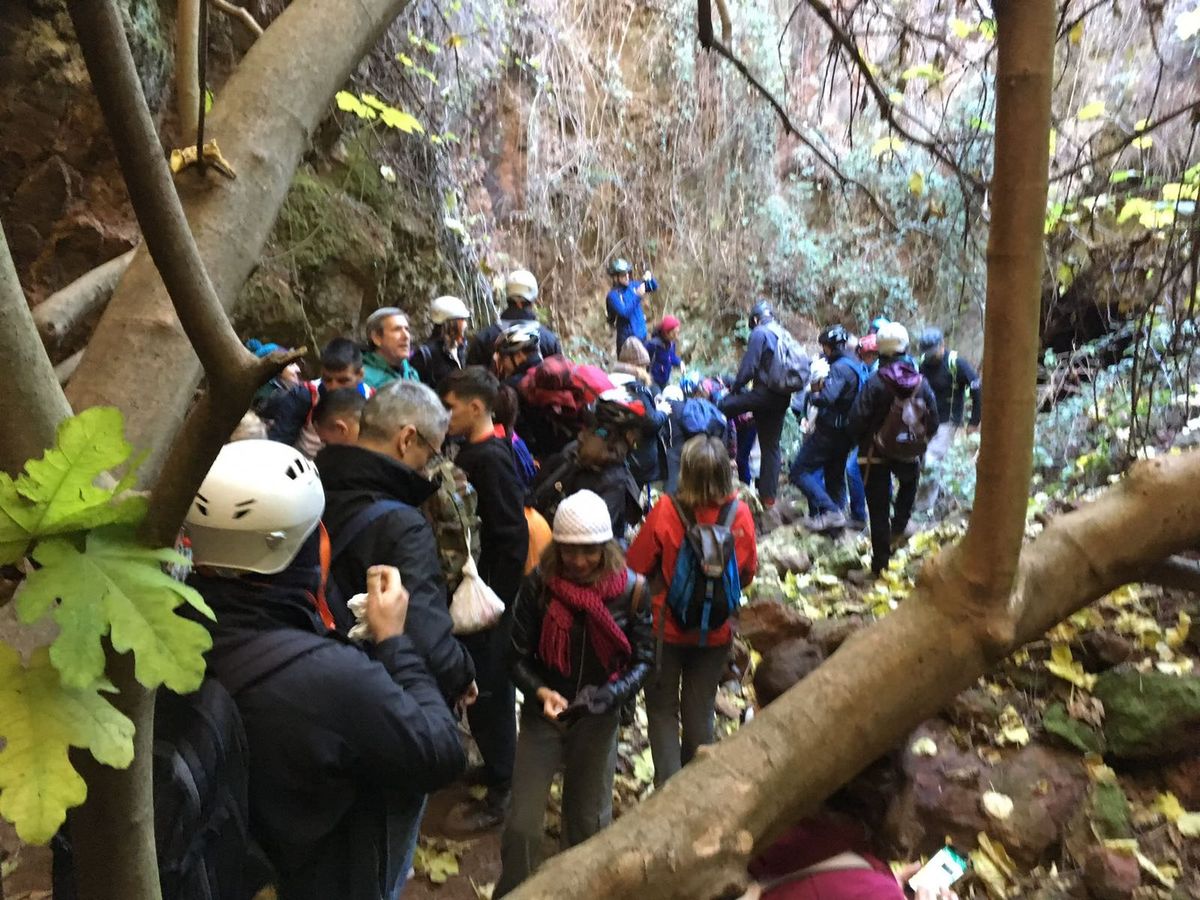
377	371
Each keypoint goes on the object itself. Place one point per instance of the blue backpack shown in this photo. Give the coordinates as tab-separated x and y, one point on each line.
700	416
705	587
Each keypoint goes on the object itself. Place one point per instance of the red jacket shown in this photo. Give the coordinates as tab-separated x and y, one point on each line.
657	546
812	841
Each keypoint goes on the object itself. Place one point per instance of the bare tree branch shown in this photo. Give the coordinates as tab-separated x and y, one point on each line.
709	42
240	13
1194	106
32	403
886	108
151	191
59	316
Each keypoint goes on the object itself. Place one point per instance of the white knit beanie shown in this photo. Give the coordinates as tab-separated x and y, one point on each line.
582	518
892	339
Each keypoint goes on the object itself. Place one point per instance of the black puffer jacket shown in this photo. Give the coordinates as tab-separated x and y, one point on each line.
479	351
353	478
563	475
339	738
530	673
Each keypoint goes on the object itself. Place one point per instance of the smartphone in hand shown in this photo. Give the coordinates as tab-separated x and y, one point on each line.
943	869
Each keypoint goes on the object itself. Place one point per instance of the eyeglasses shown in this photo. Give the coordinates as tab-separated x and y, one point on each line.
434	453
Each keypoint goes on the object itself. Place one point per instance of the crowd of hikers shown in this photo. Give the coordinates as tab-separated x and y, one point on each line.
425	530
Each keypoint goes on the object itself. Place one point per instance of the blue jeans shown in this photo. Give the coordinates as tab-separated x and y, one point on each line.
746	436
820	472
858	491
404	827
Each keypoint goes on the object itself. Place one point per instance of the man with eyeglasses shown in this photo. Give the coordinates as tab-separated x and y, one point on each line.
374	490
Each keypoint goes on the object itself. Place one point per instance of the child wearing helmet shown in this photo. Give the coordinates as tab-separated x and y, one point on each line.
623	305
342	743
582	645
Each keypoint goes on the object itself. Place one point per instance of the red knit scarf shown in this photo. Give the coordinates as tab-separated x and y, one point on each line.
566	599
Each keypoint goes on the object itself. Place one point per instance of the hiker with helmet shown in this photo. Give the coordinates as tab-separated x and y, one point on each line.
623	305
695	414
343	740
893	421
522	292
446	349
951	378
517	350
582	644
598	461
820	467
778	368
389	342
702	526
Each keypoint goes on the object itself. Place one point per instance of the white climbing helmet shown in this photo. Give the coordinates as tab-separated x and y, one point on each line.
257	505
521	283
445	308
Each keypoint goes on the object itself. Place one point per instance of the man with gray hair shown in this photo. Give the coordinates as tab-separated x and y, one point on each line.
389	342
373	493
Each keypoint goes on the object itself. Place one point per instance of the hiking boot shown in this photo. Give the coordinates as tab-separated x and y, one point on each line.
859	577
829	521
770	520
856	525
472	816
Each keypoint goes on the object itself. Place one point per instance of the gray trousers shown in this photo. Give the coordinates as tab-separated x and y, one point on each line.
588	750
685	686
931	475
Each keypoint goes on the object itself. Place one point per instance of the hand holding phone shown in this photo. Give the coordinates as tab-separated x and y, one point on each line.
933	880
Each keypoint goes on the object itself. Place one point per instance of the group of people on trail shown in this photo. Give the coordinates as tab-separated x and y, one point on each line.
871	414
425	530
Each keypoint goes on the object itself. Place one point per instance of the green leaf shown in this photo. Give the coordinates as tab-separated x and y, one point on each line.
916	184
1192	175
405	60
395	118
1093	110
1053	141
57	494
117	588
1123	175
40	718
927	71
1134	206
1075	35
887	145
1173	192
208	101
987	29
347	102
960	28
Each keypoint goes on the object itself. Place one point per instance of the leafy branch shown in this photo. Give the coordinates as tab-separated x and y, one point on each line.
98	582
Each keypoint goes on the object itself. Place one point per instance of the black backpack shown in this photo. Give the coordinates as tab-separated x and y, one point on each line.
201	773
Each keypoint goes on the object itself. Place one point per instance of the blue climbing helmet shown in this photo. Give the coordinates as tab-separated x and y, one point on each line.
877	323
689	384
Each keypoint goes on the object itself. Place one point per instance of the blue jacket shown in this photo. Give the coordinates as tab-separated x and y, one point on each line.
624	308
833	402
663	359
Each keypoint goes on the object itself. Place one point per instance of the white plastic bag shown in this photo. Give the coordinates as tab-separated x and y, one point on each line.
475	605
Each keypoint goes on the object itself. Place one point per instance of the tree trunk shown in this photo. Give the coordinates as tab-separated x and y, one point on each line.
263	118
62	315
187	71
32	403
1015	266
693	838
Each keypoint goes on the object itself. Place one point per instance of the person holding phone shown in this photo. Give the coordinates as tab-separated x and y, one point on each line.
826	856
582	644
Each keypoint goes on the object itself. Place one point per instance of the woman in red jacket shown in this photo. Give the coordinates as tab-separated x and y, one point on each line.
690	668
